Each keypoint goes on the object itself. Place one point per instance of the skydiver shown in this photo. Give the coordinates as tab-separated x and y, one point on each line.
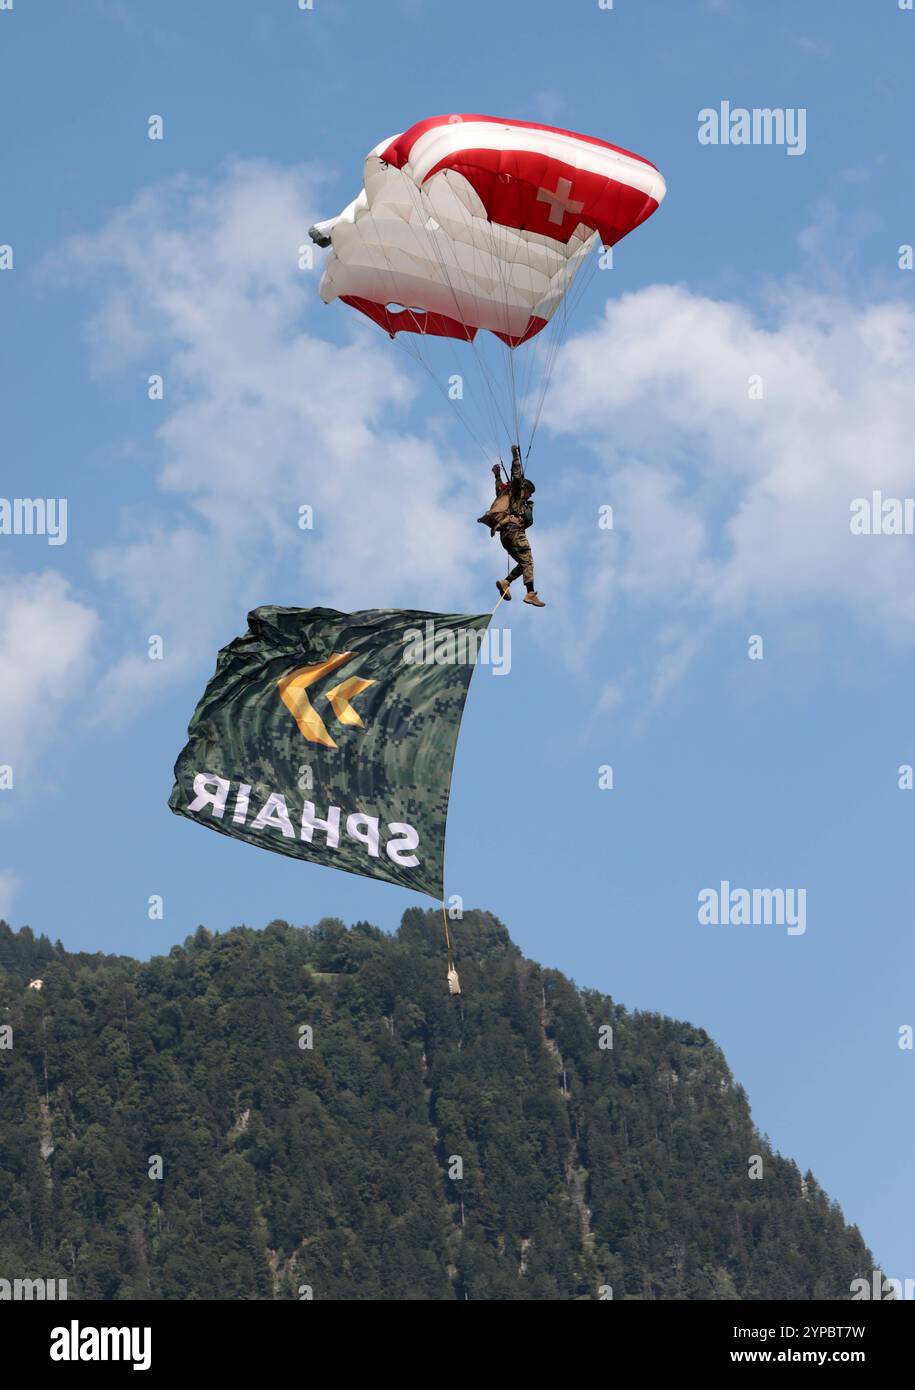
511	520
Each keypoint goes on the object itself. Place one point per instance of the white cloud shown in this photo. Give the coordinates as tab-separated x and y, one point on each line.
846	230
46	638
725	506
811	46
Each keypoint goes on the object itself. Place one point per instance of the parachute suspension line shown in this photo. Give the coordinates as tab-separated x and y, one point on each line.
529	361
533	355
417	357
506	269
503	267
498	421
496	263
501	596
411	347
550	354
433	247
454	984
543	353
507	352
516	420
558	330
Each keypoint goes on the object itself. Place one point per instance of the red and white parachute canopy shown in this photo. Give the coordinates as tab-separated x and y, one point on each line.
469	222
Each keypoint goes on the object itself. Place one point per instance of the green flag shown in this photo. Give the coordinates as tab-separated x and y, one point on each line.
330	737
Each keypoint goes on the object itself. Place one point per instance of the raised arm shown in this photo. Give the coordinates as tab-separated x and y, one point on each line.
517	475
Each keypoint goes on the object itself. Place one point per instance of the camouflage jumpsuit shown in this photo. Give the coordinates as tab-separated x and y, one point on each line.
512	531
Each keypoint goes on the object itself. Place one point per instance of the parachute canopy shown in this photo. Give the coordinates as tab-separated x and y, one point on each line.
331	737
471	222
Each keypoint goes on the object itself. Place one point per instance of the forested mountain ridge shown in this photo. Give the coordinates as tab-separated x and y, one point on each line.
527	1140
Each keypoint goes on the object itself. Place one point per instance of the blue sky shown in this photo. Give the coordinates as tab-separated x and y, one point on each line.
133	257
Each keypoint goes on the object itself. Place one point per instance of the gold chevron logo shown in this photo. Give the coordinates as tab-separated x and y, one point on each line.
293	692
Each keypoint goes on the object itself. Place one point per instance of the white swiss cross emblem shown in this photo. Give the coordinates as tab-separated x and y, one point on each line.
560	202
